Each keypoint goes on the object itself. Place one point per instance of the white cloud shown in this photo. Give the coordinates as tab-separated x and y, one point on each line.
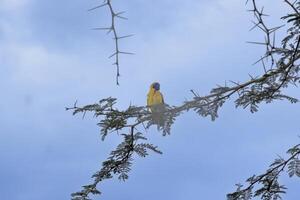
13	5
35	64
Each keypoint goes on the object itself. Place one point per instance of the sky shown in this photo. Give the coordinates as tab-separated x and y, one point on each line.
50	57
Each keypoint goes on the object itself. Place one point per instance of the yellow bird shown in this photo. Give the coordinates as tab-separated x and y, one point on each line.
155	102
154	96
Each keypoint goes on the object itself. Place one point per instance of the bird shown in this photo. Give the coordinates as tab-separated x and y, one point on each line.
154	96
156	104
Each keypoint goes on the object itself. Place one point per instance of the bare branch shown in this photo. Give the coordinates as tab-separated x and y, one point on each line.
112	29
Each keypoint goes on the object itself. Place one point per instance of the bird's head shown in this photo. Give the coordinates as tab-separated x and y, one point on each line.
156	86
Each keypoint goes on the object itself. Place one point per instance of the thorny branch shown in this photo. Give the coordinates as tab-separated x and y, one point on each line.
282	70
116	37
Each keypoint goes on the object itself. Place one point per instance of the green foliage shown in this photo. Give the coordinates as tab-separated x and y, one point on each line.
118	163
267	184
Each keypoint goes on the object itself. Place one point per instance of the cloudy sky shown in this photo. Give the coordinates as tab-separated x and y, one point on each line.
49	57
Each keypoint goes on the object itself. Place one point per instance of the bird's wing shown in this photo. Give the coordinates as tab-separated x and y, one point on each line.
150	97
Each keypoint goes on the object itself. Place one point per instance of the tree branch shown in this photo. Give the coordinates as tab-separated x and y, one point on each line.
116	38
283	70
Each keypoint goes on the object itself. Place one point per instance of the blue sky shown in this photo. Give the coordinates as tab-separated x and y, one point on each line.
49	58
